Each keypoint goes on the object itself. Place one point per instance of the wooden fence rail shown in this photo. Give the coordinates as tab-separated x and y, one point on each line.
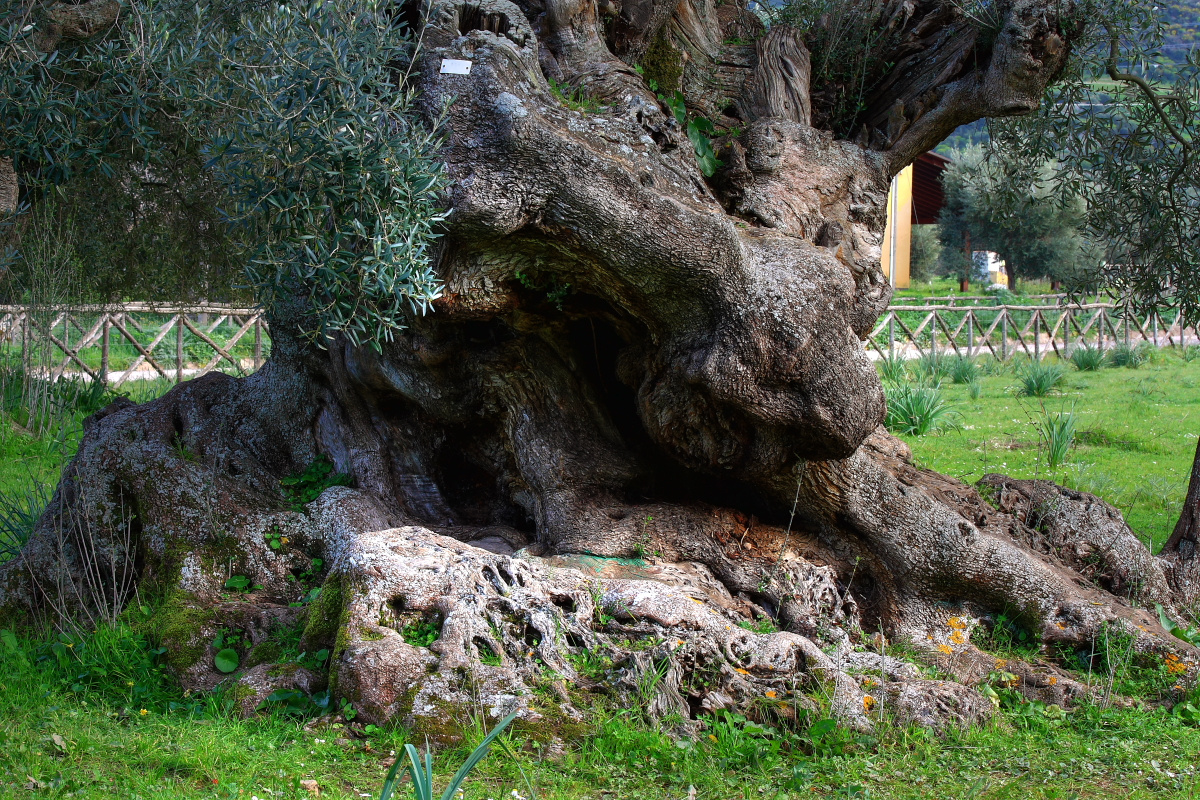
1034	330
116	344
144	340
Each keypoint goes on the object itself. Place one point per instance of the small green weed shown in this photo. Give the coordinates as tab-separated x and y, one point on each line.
1188	634
760	625
20	509
933	368
575	99
421	775
302	488
1005	635
892	369
421	633
1057	433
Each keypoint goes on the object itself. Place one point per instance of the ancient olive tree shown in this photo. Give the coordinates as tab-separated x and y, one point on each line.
635	442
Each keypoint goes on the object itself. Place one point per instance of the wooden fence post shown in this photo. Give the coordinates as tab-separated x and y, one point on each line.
258	342
891	335
1003	334
933	323
107	325
971	334
179	347
1037	345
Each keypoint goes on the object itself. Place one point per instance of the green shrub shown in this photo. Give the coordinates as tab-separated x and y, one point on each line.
1087	359
917	410
974	390
963	370
1190	353
1040	379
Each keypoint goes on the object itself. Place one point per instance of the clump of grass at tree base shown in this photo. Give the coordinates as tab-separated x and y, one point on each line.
1039	379
1087	359
917	410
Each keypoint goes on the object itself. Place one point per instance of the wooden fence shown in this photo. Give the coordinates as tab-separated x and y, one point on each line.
1033	330
115	344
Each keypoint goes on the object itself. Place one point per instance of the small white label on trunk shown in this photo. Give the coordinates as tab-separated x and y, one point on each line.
454	66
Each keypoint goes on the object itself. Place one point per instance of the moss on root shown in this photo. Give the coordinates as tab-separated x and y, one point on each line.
325	615
177	625
663	64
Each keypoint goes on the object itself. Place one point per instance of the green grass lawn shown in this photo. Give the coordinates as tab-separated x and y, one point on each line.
96	716
1136	432
68	731
945	287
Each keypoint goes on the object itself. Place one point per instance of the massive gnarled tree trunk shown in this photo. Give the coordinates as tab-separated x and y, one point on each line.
649	383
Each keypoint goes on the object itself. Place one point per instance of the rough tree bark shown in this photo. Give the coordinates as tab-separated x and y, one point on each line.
640	415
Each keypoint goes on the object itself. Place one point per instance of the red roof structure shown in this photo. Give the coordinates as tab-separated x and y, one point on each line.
928	197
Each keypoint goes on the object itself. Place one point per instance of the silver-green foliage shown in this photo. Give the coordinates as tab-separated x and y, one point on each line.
303	117
1121	123
333	180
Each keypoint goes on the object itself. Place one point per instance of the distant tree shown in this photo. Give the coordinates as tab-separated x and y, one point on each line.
994	205
925	254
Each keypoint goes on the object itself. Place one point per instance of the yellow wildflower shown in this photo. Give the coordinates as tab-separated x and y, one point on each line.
144	712
957	637
772	694
945	648
1052	680
957	623
712	737
868	702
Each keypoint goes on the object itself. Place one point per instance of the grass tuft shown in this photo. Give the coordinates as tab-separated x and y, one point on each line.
1039	379
1087	359
917	410
963	370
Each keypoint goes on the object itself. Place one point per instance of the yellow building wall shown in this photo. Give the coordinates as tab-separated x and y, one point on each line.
897	237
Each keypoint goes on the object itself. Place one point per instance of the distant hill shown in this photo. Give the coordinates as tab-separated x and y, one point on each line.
1182	20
